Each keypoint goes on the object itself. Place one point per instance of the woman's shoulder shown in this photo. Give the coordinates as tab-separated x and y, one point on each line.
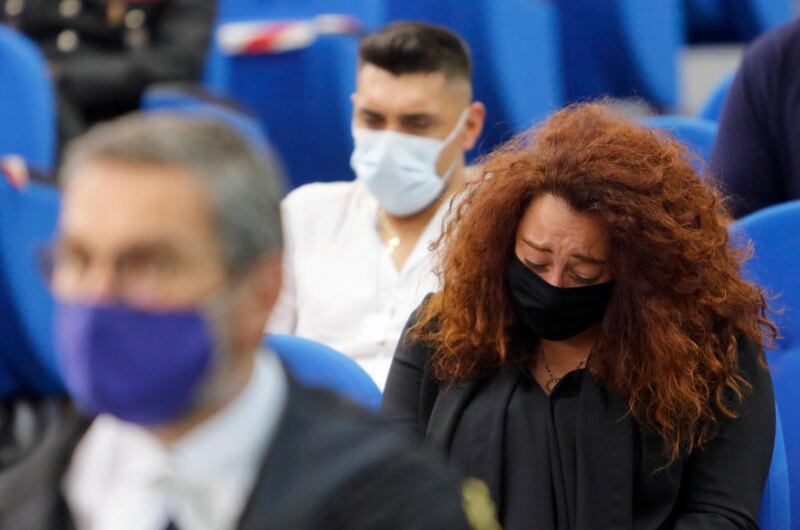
412	347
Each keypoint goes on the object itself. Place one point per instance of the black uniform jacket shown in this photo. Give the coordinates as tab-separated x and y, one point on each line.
329	466
619	483
104	53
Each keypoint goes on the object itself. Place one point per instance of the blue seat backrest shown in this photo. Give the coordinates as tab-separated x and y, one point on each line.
775	513
695	133
28	219
621	48
775	234
301	97
27	102
174	99
315	364
785	368
712	108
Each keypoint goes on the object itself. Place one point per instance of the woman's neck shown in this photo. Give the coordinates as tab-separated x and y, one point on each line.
572	350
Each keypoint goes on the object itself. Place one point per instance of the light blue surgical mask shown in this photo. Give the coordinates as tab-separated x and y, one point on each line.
399	169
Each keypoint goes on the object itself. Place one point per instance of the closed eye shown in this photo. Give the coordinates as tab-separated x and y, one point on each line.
535	266
585	280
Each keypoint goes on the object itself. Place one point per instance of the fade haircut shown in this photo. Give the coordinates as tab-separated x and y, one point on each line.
417	47
243	180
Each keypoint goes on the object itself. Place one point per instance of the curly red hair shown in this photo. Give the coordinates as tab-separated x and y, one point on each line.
669	340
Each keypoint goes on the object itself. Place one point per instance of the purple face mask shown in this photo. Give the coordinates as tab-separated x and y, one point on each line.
141	366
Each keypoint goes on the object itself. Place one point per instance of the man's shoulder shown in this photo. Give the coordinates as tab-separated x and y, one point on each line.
332	462
324	196
332	423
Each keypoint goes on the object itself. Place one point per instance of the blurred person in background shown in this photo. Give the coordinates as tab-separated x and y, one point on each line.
594	354
167	266
357	260
757	151
104	53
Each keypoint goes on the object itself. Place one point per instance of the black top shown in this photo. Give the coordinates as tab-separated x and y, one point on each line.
757	152
536	429
330	465
577	460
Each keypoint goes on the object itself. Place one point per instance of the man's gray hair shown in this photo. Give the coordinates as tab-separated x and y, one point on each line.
244	182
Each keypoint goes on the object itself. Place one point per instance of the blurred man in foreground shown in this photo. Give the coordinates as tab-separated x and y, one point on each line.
167	267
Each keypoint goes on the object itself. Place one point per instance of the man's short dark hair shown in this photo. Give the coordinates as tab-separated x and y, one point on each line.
417	47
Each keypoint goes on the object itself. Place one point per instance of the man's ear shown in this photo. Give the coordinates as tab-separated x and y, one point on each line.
476	115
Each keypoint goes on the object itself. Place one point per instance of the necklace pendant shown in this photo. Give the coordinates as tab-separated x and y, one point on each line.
392	244
551	384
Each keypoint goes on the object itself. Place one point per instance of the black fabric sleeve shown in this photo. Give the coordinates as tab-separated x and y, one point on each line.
723	483
402	395
177	52
745	156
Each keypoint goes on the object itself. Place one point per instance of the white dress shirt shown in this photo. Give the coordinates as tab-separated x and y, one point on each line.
341	287
121	477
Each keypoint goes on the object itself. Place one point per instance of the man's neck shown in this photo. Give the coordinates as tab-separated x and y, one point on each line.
408	229
234	385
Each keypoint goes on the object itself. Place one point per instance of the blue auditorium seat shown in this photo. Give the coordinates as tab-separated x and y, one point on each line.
621	48
775	513
27	220
775	233
174	98
695	133
315	364
370	12
712	108
515	51
785	368
734	20
302	96
27	102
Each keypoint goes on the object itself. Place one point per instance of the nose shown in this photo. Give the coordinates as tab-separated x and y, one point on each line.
554	277
97	285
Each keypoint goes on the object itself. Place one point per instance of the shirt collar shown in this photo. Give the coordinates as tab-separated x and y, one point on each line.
205	477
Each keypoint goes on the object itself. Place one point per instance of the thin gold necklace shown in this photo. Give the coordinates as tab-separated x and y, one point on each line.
552	380
392	238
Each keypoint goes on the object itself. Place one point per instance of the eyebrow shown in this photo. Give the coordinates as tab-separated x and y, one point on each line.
371	113
418	116
577	256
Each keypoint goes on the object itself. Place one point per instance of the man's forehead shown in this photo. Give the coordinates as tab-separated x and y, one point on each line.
110	199
425	92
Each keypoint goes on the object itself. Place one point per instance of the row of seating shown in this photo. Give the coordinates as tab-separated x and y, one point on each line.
28	365
571	50
531	56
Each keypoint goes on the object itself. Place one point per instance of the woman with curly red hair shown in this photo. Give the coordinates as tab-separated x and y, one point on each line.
593	355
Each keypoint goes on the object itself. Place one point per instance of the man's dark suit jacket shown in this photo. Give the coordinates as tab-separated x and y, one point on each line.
330	465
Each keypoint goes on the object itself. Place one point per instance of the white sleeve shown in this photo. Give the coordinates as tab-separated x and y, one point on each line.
284	315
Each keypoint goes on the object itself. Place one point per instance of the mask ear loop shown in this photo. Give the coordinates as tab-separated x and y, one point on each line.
462	120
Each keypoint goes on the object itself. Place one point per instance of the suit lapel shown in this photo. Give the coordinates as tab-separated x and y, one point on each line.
279	462
30	490
605	445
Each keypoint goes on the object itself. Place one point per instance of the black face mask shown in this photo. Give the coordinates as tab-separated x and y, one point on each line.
555	313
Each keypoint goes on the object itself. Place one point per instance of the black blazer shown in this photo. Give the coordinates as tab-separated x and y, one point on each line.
329	466
719	487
